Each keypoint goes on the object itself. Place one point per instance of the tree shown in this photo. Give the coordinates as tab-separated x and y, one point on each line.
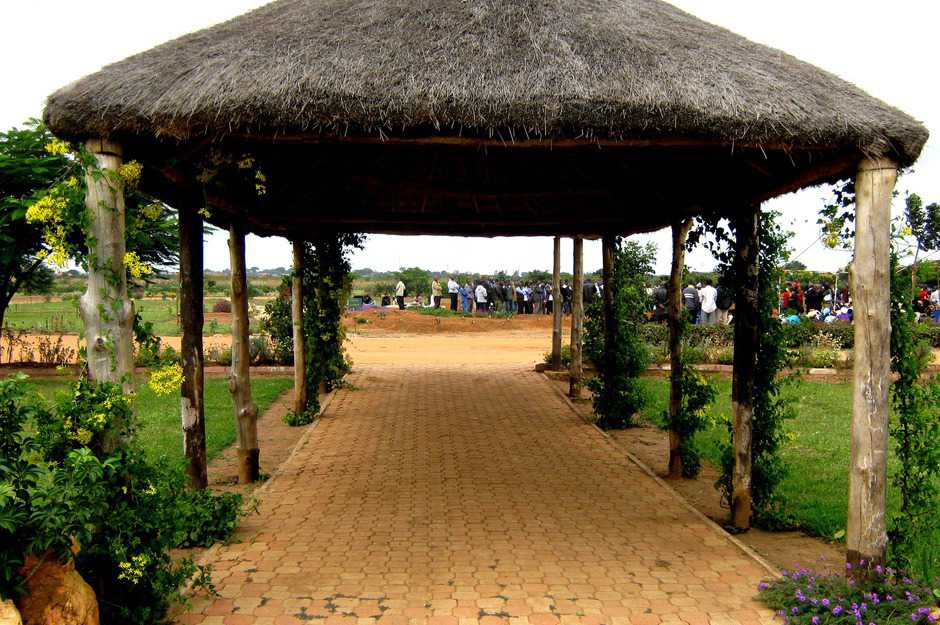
42	213
921	231
417	281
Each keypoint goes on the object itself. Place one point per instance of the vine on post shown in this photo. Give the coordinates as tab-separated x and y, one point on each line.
615	406
771	407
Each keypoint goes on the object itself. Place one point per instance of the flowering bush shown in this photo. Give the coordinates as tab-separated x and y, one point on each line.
127	513
884	597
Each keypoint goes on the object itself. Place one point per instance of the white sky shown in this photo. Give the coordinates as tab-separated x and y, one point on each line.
888	50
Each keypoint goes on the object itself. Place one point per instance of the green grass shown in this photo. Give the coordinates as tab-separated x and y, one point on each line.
816	489
159	417
63	316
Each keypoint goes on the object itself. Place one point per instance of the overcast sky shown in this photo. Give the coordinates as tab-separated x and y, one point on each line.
887	49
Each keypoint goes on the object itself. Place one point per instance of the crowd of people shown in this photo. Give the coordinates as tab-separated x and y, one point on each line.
488	295
704	302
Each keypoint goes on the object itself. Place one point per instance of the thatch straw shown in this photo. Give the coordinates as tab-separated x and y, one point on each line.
512	68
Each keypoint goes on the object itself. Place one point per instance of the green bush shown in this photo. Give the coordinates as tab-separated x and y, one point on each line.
296	419
58	482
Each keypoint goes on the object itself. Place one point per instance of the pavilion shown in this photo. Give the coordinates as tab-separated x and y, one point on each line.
477	117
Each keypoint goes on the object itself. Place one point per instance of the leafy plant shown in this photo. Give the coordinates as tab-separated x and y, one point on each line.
295	419
884	597
617	394
916	433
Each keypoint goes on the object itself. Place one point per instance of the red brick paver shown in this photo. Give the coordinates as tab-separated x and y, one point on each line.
464	496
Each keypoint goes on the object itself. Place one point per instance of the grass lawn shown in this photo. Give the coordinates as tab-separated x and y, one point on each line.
63	316
159	417
816	489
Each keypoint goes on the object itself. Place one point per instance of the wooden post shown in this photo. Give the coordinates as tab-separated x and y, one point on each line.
107	312
745	360
556	307
297	318
675	311
610	323
575	373
866	536
246	413
192	406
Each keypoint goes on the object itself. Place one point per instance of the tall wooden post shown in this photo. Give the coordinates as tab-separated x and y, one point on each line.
866	536
679	233
297	318
107	312
246	413
556	307
192	407
747	245
575	372
610	323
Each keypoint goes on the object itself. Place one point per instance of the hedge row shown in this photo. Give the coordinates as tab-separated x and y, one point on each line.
796	336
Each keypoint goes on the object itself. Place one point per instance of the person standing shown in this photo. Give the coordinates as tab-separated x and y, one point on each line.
480	293
435	293
691	302
400	295
464	292
453	289
708	299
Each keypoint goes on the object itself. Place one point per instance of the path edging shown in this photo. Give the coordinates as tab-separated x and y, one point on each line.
771	570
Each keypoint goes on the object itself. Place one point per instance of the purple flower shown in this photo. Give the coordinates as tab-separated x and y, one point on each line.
825	603
815	620
763	586
837	610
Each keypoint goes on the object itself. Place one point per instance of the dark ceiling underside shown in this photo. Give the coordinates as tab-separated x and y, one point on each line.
481	190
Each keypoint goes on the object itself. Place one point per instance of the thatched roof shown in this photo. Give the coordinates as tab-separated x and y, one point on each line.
607	69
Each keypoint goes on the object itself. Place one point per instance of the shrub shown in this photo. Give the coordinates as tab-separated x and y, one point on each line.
884	597
295	419
565	356
222	306
617	393
277	323
219	355
57	481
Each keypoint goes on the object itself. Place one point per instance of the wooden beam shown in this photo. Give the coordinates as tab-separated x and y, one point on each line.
556	306
192	405
866	537
107	312
575	371
297	319
747	245
680	232
246	413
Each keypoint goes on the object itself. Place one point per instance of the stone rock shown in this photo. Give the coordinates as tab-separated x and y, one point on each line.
9	615
56	595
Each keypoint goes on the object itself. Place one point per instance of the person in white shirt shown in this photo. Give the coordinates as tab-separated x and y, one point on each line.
400	295
708	297
452	289
480	293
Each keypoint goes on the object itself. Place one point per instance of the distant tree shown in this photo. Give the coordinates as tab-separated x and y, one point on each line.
42	213
417	281
794	265
921	230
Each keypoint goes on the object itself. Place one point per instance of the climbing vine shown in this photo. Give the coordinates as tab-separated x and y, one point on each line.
698	394
771	407
327	283
618	394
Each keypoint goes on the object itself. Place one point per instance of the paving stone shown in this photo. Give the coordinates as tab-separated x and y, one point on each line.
456	495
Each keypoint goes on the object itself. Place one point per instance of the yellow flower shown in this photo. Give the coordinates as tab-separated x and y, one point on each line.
152	211
72	182
82	435
130	172
204	212
133	571
260	186
166	380
136	267
57	147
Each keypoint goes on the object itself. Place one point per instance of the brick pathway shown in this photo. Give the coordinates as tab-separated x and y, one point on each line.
457	496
